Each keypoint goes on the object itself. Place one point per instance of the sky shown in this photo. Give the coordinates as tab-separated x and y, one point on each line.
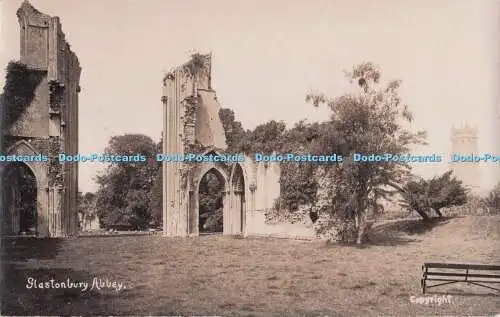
267	56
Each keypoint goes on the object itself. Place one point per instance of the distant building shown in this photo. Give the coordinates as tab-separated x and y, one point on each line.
464	142
89	223
87	213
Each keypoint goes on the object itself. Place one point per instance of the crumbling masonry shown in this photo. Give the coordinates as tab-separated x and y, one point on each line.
49	125
192	125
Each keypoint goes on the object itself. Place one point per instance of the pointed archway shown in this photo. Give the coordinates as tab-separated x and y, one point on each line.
24	191
211	202
20	200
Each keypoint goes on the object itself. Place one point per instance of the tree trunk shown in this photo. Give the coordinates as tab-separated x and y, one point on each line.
362	229
423	214
361	216
361	233
440	215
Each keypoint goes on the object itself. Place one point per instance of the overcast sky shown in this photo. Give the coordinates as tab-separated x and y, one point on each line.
269	54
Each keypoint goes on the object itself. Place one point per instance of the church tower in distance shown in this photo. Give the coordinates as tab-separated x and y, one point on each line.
465	142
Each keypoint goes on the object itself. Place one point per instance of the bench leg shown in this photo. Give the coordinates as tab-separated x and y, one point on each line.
422	283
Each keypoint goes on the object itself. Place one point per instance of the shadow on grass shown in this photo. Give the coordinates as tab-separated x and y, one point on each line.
412	226
23	249
402	231
399	232
20	298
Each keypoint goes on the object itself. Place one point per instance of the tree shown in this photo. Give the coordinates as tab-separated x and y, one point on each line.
415	197
439	192
123	197
492	201
368	121
210	207
265	138
235	134
446	191
156	193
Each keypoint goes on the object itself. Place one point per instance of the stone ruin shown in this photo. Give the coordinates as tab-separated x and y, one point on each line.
48	125
191	124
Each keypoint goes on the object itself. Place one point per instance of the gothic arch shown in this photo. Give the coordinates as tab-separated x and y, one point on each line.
194	196
208	167
39	172
24	148
20	195
211	150
239	179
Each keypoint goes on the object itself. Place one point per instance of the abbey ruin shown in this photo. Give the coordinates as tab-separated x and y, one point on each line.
192	125
48	124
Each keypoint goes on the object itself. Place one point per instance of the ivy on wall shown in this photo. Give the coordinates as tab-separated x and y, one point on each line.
191	104
19	91
198	66
55	173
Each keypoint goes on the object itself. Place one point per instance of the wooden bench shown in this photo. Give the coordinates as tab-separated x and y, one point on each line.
447	273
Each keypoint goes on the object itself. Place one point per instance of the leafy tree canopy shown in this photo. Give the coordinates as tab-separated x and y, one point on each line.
124	194
439	192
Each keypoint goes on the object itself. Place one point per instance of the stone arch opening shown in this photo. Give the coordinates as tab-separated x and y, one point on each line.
20	190
211	152
211	191
238	208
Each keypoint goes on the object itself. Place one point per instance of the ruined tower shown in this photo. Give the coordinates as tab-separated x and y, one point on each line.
48	125
465	142
191	125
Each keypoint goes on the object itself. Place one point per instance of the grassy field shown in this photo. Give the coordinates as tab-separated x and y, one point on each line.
215	275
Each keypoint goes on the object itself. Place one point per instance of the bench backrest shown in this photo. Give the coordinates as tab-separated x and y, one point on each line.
462	266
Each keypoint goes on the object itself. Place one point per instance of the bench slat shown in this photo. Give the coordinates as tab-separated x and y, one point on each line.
462	266
451	280
462	274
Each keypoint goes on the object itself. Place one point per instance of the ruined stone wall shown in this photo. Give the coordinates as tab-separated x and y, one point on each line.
209	129
50	122
261	190
192	125
186	99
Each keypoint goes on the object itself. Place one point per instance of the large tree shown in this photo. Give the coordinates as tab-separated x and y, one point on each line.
370	120
439	192
123	197
234	132
298	186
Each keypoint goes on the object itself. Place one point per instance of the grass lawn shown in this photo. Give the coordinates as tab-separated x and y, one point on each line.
216	275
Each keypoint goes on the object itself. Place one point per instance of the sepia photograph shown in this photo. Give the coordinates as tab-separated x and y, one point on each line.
250	158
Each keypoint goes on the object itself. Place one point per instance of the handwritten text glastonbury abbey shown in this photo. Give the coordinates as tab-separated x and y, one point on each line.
95	284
